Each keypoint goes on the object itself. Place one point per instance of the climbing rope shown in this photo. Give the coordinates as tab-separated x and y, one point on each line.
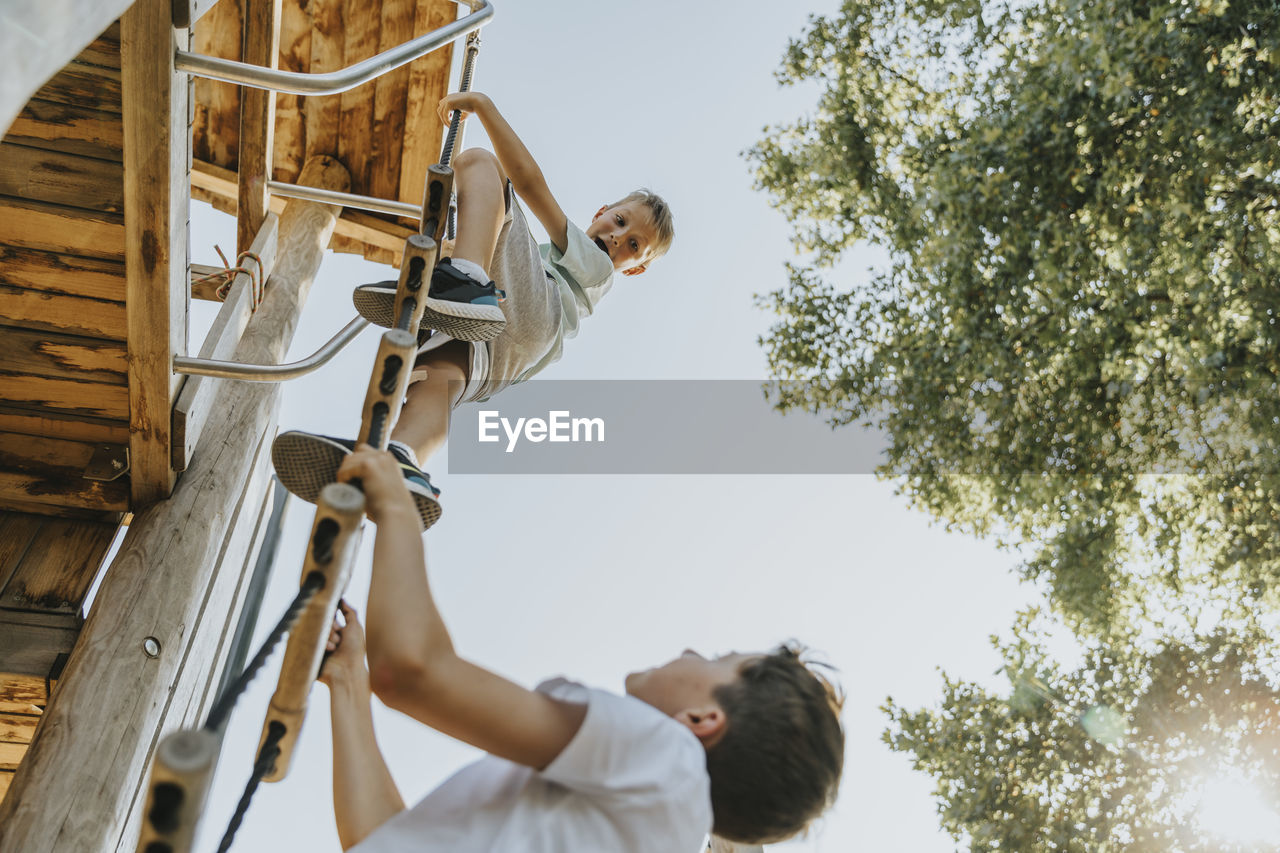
228	274
455	121
223	707
267	756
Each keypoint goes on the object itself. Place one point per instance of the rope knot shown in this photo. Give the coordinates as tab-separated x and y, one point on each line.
228	274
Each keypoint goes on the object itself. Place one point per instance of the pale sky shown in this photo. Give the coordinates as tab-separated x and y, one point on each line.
595	576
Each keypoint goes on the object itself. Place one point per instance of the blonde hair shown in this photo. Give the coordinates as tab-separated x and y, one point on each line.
663	226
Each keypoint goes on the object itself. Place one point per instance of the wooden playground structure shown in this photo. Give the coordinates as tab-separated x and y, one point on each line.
112	423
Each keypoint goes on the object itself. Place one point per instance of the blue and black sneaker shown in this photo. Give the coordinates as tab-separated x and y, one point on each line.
306	463
456	304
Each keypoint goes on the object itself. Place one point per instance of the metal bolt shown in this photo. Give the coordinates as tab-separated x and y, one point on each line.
19	597
152	647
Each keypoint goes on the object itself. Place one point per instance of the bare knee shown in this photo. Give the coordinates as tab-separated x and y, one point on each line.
477	163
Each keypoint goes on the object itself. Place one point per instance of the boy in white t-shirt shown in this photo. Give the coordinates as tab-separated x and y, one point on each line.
747	746
480	347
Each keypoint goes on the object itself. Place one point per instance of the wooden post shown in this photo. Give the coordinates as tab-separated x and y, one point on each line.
257	120
151	650
156	201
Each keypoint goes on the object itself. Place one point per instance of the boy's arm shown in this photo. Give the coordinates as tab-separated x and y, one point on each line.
412	664
364	794
522	170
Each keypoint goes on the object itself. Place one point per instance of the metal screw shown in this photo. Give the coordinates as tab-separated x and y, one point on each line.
152	647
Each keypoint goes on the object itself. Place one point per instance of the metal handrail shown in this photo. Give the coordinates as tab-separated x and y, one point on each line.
361	202
332	82
270	372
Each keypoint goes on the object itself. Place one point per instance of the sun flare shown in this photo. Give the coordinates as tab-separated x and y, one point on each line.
1232	807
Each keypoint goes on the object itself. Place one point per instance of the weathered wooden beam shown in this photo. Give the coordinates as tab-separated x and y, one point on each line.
428	81
58	228
357	232
46	424
33	642
177	575
75	129
156	158
40	38
192	408
257	121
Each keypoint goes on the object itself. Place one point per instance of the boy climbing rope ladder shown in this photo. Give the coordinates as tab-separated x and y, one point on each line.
749	745
481	346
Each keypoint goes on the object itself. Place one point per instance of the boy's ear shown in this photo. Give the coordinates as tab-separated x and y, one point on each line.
636	270
707	723
602	209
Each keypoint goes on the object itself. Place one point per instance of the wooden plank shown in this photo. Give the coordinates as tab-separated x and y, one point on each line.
9	503
11	755
428	83
62	357
361	25
104	50
70	396
257	121
6	779
84	85
17	728
50	471
57	312
156	156
55	573
289	149
71	128
17	532
389	100
61	178
216	118
59	272
79	786
62	229
32	642
322	115
52	425
194	403
23	694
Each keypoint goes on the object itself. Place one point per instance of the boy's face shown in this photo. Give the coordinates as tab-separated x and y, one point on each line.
688	682
624	233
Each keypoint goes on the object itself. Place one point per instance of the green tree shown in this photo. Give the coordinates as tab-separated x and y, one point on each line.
1074	339
1125	751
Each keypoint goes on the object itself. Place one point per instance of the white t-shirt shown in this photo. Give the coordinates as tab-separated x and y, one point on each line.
632	780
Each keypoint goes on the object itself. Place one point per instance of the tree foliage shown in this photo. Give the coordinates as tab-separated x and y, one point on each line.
1115	753
1074	340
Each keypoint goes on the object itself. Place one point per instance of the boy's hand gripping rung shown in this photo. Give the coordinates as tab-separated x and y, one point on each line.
435	202
331	554
180	776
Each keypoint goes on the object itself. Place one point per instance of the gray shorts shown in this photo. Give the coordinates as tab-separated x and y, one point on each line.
532	309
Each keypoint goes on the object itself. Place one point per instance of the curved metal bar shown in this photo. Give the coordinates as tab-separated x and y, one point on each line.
270	372
362	202
332	82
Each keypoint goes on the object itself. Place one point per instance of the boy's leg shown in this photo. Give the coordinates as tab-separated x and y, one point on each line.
461	302
424	420
481	187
